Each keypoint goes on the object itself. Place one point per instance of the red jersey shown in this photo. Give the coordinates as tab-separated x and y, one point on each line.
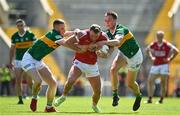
88	57
160	51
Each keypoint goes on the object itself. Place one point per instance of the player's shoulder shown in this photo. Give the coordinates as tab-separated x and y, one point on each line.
165	42
152	44
168	44
53	34
82	33
29	32
121	29
14	35
120	26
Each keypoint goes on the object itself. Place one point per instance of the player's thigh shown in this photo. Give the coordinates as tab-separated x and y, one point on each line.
95	83
47	75
118	62
74	73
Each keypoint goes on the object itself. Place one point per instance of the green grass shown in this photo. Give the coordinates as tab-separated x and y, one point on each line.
77	106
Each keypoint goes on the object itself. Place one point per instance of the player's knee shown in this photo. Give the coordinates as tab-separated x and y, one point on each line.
37	84
130	84
150	80
54	83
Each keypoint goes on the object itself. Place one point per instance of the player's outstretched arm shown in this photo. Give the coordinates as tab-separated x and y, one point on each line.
70	33
71	43
115	42
112	43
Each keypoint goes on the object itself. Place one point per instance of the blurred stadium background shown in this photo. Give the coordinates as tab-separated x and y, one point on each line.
143	17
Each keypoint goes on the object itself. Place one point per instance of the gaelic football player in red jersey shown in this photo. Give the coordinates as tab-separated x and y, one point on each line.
161	53
85	61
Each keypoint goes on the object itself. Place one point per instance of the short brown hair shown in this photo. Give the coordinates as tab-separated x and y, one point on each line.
112	13
58	21
95	28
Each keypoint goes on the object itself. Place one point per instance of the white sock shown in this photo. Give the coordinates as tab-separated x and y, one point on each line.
63	96
48	107
35	97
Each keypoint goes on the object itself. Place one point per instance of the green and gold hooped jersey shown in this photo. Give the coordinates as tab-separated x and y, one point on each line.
128	45
45	45
22	43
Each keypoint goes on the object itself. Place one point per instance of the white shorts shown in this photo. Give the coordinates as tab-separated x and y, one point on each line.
160	69
17	64
134	63
28	62
87	69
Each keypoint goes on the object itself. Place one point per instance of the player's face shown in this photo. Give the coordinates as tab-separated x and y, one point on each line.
61	28
159	37
94	36
109	22
20	26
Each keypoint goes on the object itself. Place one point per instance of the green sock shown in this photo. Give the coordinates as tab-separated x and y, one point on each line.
20	98
115	93
35	97
49	103
139	95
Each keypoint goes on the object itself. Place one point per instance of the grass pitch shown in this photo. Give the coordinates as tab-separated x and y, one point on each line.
76	106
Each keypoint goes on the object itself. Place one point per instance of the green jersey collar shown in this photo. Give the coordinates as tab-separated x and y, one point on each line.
114	30
21	35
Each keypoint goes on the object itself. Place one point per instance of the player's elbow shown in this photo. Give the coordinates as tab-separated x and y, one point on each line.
176	51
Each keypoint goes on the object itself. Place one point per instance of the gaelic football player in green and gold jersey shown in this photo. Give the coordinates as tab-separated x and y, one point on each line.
129	54
20	42
32	63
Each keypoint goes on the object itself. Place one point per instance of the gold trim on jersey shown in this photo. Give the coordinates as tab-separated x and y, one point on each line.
49	42
125	38
25	44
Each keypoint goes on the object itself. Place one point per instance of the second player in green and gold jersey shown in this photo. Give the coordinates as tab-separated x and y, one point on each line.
32	63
